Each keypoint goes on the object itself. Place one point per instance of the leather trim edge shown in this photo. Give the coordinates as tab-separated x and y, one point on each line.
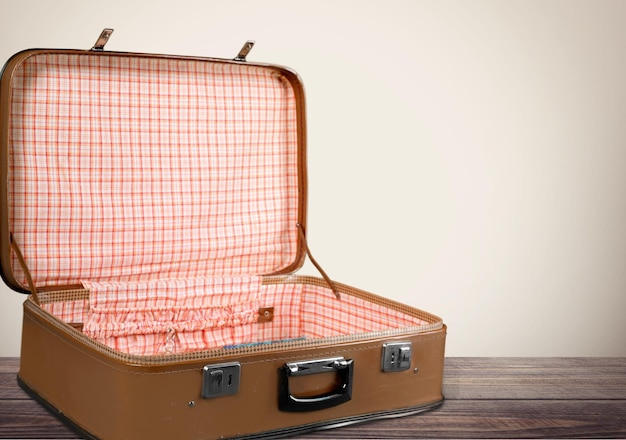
347	421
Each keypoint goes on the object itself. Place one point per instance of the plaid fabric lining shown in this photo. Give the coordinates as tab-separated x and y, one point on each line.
287	322
140	176
180	316
173	315
323	316
68	311
129	168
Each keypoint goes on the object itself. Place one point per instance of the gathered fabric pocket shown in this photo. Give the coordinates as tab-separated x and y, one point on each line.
171	316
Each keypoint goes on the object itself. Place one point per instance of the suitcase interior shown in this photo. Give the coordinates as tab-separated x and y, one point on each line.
296	309
166	194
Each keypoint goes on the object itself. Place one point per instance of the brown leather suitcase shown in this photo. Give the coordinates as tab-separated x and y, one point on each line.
154	209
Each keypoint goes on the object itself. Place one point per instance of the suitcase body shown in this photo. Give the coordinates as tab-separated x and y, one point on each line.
154	207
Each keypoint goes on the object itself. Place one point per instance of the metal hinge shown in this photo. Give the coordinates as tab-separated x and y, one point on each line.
245	50
102	40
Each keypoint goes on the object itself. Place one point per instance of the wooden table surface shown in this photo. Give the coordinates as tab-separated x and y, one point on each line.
485	398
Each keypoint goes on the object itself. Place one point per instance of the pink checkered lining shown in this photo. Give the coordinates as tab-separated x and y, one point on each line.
127	168
157	183
68	311
287	321
170	316
322	317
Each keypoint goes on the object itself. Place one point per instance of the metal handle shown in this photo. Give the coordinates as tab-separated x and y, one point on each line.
343	393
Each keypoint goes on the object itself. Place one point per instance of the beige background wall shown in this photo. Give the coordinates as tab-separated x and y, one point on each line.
465	157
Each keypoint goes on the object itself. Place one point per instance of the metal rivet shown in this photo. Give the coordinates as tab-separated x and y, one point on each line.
191	404
415	370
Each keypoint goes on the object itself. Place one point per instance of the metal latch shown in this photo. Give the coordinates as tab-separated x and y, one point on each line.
102	40
396	356
220	379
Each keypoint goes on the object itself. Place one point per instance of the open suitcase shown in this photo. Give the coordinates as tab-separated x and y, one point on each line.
154	208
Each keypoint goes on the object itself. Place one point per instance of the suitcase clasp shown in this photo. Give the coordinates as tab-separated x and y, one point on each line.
396	357
220	379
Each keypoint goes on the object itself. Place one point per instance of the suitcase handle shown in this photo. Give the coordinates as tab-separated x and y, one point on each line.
343	393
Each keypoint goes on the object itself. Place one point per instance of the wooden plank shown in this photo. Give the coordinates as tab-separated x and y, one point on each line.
535	378
27	419
486	397
498	419
455	419
9	390
9	365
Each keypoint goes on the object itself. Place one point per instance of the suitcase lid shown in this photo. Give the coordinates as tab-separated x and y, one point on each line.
126	166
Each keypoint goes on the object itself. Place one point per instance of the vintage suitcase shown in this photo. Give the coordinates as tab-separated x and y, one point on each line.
154	209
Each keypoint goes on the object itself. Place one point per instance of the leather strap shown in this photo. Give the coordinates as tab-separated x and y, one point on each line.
331	285
29	278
